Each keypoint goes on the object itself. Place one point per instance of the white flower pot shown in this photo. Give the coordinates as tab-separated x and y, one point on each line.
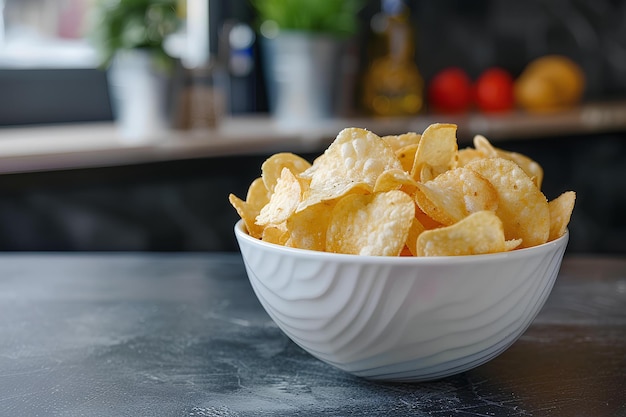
138	93
307	77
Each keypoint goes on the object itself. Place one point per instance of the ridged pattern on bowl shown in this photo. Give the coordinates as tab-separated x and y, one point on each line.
402	319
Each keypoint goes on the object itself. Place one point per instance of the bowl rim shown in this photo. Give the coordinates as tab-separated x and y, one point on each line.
242	234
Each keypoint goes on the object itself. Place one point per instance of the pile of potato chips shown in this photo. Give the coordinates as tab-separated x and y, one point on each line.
404	195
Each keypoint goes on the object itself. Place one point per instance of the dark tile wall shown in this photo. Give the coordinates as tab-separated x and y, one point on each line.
170	206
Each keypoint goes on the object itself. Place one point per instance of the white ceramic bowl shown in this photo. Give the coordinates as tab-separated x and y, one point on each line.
401	318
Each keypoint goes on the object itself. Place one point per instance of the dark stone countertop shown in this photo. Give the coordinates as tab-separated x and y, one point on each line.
133	334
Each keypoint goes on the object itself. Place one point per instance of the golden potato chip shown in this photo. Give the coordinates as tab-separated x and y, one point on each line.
400	141
256	198
273	166
561	209
479	233
275	234
248	215
512	244
424	219
404	195
405	252
455	194
283	201
427	173
395	179
373	224
437	150
406	156
522	207
466	155
483	146
415	230
307	228
353	161
258	195
530	167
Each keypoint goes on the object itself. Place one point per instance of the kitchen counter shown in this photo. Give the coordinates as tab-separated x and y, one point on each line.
130	334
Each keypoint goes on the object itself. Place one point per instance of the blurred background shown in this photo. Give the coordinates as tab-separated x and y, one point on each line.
543	77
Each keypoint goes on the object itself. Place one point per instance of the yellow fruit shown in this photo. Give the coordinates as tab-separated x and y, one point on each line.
549	83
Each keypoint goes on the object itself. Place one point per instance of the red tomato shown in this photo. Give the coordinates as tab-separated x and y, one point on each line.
493	91
450	91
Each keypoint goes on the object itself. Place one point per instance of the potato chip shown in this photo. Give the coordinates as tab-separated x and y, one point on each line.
400	141
373	224
258	195
510	245
307	228
275	234
561	209
425	220
454	195
479	233
283	201
522	207
404	195
427	173
483	146
466	155
405	252
415	230
530	167
352	162
395	179
406	156
437	150
247	214
273	166
248	210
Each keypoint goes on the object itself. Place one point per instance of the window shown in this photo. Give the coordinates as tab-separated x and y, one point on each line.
48	70
45	34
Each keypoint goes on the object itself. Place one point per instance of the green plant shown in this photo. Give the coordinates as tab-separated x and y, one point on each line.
133	24
327	16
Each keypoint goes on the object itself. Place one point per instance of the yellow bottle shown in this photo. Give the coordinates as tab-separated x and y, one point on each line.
393	85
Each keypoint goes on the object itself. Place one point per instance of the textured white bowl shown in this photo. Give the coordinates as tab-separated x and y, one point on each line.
401	318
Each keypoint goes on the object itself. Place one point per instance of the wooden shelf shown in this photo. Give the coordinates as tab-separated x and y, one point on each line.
57	147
